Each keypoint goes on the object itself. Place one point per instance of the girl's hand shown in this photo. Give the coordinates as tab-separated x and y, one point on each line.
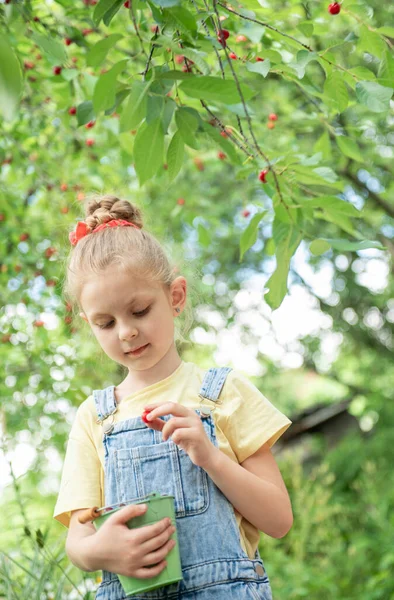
185	429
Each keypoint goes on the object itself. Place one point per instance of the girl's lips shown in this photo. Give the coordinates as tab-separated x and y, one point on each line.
139	350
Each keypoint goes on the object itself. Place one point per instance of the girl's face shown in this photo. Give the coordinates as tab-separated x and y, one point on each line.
126	313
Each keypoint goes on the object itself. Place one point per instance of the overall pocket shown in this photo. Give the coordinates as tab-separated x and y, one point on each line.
162	468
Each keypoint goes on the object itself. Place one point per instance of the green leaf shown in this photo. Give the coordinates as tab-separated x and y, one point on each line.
175	154
371	42
336	91
182	18
322	176
214	89
101	8
105	89
51	47
339	219
304	57
349	148
261	67
386	70
331	204
154	107
306	27
249	235
187	124
287	239
374	96
85	113
323	145
10	80
167	113
344	245
148	150
319	246
387	31
362	73
173	75
97	54
135	109
109	15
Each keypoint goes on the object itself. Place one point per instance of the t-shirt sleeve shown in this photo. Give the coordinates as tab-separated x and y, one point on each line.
80	485
250	419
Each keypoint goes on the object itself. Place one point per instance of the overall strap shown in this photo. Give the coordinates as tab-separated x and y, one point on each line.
105	402
213	383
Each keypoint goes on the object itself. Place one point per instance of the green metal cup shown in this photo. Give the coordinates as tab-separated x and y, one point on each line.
159	507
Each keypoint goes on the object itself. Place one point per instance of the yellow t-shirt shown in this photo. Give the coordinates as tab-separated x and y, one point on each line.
244	422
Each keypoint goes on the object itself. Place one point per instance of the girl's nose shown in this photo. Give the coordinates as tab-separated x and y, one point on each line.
127	332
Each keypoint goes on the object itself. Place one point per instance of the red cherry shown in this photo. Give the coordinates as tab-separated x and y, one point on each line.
144	415
246	213
199	163
262	175
57	70
90	124
90	142
224	133
126	4
334	8
87	31
270	125
181	201
68	41
273	117
154	28
223	36
179	59
233	55
23	237
28	65
64	187
259	59
222	155
49	252
38	323
241	38
64	210
72	110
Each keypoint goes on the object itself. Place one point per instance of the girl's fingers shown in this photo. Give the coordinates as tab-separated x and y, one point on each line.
166	409
172	426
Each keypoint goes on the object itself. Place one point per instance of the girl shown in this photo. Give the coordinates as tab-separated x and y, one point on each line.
169	426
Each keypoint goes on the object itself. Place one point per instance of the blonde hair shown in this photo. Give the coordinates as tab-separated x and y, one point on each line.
134	249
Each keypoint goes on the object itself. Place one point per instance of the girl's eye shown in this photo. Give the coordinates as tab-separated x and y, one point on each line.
137	314
143	312
106	326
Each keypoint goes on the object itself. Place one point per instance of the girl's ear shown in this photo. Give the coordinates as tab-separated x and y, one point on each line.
81	314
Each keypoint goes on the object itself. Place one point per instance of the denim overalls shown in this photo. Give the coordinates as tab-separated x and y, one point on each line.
137	463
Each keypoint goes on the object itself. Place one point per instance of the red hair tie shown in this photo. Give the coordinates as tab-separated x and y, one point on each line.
83	229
